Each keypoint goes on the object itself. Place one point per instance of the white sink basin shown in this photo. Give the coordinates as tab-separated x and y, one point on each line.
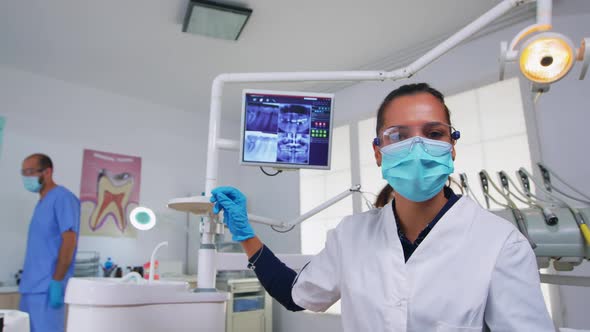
107	304
111	292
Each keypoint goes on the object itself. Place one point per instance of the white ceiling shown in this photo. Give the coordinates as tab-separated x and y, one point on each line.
136	48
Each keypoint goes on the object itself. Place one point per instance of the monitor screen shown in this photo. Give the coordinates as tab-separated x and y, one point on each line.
286	129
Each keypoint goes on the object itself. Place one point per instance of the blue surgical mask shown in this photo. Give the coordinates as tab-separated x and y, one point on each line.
32	183
417	168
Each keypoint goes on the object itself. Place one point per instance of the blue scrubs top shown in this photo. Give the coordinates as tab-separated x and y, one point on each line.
57	212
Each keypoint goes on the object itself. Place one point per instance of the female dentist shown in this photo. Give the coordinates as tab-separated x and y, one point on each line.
428	261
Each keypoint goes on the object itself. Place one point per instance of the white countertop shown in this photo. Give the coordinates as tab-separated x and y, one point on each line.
113	292
8	289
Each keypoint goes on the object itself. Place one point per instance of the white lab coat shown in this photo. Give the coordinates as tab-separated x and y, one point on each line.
472	269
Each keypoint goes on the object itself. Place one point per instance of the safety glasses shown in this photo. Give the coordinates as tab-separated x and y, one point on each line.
402	149
30	171
433	131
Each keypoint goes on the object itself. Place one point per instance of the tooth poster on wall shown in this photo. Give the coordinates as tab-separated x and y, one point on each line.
109	190
2	122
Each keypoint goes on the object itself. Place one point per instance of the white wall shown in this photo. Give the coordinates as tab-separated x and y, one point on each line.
61	119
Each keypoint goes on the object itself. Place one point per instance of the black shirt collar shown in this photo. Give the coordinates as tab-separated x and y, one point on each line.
407	245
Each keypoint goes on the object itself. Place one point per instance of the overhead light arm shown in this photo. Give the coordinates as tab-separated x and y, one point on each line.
544	11
584	56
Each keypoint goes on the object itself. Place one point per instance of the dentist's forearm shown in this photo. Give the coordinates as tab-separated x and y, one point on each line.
66	255
276	277
251	246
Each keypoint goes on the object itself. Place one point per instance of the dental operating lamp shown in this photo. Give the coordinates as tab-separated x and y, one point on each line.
207	261
544	57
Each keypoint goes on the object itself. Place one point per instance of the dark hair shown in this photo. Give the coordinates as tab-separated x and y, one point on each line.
44	160
384	196
409	90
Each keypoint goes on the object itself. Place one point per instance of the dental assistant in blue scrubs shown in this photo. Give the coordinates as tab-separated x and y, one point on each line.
51	246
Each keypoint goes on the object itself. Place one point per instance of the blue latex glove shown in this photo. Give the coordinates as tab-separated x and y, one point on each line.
56	294
233	204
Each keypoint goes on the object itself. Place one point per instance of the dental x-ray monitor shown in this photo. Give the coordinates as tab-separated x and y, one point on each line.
286	129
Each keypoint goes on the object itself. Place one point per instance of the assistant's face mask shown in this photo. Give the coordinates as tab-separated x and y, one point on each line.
417	168
32	183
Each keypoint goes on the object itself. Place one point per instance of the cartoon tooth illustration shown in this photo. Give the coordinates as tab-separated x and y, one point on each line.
113	192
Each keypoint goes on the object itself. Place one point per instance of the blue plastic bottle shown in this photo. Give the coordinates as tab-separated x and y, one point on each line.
108	264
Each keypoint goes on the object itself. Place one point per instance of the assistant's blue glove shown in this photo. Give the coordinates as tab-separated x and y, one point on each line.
233	204
56	294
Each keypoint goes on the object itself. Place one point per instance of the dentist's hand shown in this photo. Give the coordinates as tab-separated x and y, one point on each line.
56	294
233	203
